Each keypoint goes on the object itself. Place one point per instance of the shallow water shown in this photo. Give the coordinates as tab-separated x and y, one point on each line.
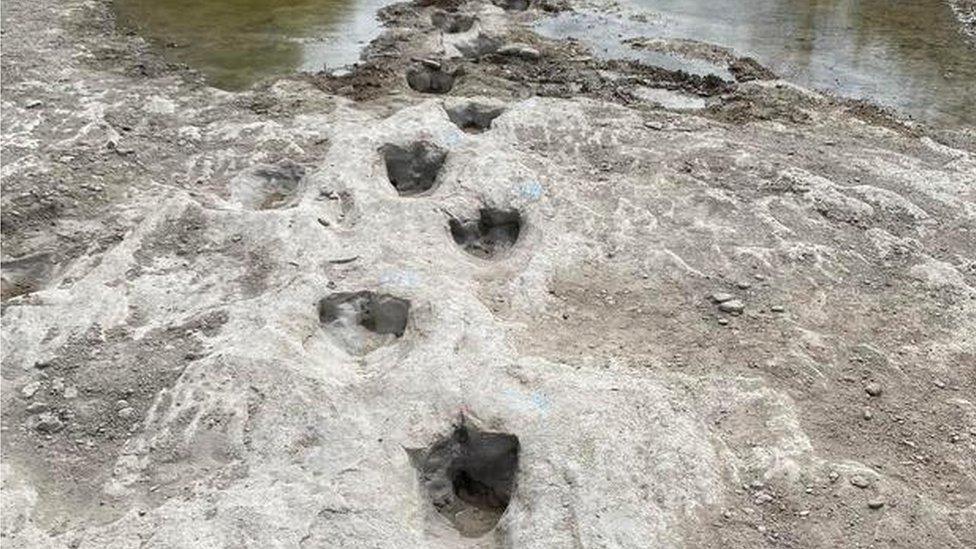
236	43
905	54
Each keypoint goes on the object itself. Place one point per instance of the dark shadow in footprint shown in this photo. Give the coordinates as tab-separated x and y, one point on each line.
430	77
363	321
469	477
494	231
413	170
268	187
512	5
451	23
473	117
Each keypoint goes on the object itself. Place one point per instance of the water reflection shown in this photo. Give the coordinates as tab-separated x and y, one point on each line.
238	42
907	54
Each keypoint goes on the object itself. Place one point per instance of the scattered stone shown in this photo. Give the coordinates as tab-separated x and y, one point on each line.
763	497
873	388
48	422
868	414
723	321
860	482
721	297
833	476
876	504
744	285
37	408
126	413
734	307
523	51
777	309
29	390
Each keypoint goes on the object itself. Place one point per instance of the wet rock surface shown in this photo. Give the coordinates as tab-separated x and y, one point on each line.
194	370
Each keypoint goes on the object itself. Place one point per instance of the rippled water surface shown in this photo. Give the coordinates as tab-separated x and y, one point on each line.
238	42
906	54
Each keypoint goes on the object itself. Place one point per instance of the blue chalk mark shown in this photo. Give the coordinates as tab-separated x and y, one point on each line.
400	278
536	402
531	190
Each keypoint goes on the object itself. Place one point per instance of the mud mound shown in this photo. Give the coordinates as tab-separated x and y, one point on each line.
430	77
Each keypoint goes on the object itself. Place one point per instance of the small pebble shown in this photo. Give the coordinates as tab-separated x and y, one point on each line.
519	50
868	414
721	297
860	482
873	388
734	307
48	422
30	389
744	285
37	407
723	321
876	504
777	308
126	413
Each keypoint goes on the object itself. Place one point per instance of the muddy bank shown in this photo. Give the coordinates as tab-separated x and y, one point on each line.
485	290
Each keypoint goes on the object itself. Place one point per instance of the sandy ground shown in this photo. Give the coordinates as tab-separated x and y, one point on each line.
484	291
